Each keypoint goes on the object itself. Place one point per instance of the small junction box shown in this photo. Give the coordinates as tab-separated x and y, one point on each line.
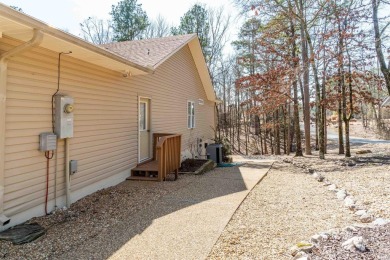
47	142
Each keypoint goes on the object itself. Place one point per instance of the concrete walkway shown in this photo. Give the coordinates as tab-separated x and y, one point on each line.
186	223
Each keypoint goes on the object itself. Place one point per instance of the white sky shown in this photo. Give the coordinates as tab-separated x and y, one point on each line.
67	14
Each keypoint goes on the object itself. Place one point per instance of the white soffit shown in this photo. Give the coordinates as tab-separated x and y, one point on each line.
20	26
201	66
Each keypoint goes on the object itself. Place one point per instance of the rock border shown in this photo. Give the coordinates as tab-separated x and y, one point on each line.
300	250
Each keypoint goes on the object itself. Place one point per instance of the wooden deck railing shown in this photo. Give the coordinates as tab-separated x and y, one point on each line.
167	152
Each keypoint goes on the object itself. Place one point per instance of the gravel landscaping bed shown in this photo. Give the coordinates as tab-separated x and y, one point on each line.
91	216
285	208
376	241
364	176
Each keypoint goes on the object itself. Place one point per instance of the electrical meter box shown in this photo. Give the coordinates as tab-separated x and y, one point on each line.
63	120
47	142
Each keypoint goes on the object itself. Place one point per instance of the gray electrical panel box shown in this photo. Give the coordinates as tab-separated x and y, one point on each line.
72	167
63	120
47	142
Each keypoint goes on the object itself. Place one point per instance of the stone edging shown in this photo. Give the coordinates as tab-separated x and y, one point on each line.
300	250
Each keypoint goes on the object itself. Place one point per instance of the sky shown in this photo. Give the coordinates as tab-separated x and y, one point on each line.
68	14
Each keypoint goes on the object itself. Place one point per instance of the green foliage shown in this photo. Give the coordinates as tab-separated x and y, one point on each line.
129	20
247	44
196	20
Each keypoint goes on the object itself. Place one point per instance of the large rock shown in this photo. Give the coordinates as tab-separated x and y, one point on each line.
350	164
341	194
332	187
360	212
294	250
380	221
350	229
349	202
316	239
354	243
301	256
366	218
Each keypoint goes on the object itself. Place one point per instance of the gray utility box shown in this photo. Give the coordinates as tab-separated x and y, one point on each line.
214	152
63	121
47	142
72	167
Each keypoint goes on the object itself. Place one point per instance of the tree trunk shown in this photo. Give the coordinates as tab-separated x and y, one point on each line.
297	129
306	95
277	133
284	130
265	135
318	104
239	115
340	87
289	141
317	122
378	45
348	118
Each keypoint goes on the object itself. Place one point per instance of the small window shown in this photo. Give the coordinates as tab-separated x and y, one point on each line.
142	116
191	114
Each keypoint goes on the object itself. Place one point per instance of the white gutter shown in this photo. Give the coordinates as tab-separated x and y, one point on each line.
31	22
4	57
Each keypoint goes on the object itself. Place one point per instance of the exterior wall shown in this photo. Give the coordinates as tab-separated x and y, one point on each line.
105	139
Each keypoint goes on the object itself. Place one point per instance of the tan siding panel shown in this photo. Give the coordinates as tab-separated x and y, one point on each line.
105	134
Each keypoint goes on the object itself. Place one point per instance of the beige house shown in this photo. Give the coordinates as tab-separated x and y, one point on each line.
123	94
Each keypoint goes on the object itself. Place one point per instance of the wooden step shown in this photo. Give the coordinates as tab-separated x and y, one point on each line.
140	178
147	167
145	171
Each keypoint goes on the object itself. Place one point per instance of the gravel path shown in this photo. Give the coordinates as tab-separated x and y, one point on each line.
288	206
145	220
91	216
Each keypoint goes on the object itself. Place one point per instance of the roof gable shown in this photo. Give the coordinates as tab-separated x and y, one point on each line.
151	53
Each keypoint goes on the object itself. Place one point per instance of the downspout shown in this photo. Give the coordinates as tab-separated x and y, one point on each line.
67	174
4	57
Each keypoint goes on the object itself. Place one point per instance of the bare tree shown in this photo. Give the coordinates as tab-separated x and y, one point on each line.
158	28
219	24
96	30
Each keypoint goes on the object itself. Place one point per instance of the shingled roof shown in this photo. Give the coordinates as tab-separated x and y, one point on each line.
149	52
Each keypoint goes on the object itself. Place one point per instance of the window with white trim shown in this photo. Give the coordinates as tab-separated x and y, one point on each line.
191	114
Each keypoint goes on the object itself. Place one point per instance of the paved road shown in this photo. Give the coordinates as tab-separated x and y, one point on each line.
358	140
353	140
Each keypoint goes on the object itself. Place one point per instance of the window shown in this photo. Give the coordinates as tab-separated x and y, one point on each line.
142	116
191	114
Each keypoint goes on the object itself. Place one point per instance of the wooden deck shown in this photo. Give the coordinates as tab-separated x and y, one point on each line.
166	159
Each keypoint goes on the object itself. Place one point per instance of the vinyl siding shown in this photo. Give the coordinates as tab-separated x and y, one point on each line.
105	119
